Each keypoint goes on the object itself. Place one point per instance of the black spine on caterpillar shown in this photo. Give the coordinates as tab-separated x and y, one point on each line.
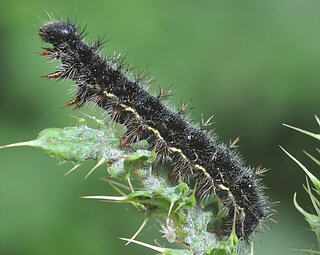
194	153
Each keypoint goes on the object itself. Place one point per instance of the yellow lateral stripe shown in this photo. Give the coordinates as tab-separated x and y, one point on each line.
109	94
221	186
203	170
174	149
155	131
185	157
129	109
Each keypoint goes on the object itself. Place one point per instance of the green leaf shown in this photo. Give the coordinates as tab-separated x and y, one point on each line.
138	160
220	250
197	235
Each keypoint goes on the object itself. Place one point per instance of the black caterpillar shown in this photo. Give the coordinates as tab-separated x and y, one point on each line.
194	152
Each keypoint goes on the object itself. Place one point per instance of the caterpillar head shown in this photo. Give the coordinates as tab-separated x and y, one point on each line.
56	32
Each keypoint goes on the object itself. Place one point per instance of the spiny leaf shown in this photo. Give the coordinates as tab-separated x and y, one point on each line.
159	201
166	251
314	179
76	144
313	220
312	252
81	143
314	200
177	204
317	136
313	158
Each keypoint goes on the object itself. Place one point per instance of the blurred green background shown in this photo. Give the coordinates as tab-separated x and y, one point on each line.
253	64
